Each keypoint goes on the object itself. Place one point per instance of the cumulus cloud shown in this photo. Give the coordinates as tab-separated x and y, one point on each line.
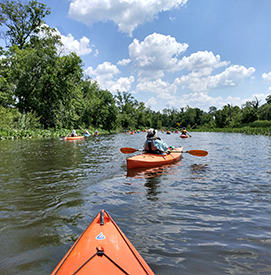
123	84
202	61
202	101
231	77
70	44
164	89
105	73
261	97
266	77
127	14
151	102
124	62
80	47
156	54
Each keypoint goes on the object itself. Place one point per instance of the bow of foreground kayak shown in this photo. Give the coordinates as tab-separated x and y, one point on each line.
102	249
149	160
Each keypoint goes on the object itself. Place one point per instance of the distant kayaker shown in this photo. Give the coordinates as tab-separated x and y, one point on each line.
96	133
153	143
73	134
183	131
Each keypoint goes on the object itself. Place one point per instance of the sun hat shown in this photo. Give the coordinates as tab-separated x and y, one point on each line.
152	133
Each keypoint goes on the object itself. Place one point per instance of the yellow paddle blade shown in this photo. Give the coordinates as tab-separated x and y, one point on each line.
199	153
127	150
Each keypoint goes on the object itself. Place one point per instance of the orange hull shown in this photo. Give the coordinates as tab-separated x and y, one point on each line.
73	138
183	136
102	249
149	160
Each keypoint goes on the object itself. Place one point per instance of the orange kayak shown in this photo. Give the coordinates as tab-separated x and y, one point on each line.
102	249
184	136
148	159
73	138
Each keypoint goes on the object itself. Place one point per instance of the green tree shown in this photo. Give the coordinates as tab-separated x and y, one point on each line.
7	87
268	99
265	109
45	82
249	112
21	21
127	105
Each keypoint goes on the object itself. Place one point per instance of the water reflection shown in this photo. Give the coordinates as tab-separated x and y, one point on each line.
199	171
154	177
145	173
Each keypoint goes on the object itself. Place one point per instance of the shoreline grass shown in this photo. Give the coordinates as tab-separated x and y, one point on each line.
243	130
12	134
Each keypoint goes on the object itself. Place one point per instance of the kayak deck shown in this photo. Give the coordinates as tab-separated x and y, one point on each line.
149	160
102	249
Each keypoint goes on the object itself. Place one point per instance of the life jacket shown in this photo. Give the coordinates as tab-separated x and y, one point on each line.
150	147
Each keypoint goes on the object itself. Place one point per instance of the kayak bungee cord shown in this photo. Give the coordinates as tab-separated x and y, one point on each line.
100	253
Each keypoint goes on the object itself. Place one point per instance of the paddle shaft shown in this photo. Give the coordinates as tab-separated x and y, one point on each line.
199	153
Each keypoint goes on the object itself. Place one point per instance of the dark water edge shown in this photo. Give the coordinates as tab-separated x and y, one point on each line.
206	215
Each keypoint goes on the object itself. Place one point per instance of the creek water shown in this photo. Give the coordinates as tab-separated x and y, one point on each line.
200	215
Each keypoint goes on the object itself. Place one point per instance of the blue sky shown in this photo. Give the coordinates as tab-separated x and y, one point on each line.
171	53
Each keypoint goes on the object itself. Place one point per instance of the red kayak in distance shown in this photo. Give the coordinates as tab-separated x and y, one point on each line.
73	138
102	249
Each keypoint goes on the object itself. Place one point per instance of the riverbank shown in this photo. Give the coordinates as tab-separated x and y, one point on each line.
10	134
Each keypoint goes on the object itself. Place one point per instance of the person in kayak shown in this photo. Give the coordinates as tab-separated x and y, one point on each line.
154	144
183	131
73	134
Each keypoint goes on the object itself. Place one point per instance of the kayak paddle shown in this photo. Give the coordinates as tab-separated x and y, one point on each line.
128	150
199	153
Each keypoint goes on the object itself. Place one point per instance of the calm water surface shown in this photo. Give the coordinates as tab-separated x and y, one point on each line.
207	215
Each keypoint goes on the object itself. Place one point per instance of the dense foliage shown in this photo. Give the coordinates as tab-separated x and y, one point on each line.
40	88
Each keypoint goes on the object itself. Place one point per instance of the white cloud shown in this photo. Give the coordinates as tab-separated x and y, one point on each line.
231	77
164	89
261	97
156	54
127	14
124	62
70	44
202	61
266	77
105	76
151	103
123	84
80	47
202	101
96	53
106	69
